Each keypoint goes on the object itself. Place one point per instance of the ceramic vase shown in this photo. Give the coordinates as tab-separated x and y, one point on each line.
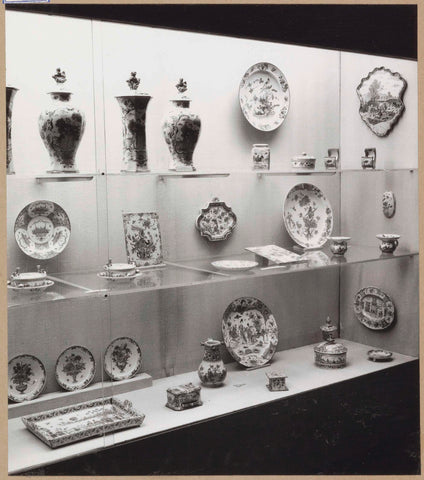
61	128
10	95
133	109
212	371
181	129
261	156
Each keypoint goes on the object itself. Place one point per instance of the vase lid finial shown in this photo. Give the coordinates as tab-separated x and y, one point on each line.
181	85
59	77
133	82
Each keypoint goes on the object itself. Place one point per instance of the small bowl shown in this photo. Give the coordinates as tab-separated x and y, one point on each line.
338	245
28	279
389	242
304	161
378	355
120	269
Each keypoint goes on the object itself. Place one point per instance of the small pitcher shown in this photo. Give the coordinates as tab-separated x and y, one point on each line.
212	371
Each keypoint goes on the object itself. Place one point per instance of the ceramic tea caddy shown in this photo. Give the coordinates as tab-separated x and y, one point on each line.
303	161
212	371
119	269
331	162
261	155
276	381
389	242
330	354
183	397
338	245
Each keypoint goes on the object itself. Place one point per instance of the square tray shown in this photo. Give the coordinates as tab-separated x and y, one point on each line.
62	426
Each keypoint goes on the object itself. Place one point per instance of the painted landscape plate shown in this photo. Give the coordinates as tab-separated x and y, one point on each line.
250	331
75	368
374	308
95	418
308	216
234	265
122	358
26	378
42	229
264	96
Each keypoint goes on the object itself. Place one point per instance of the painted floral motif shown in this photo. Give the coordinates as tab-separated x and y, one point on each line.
42	229
75	368
250	331
27	378
181	130
374	308
308	216
133	108
122	358
264	96
381	98
62	426
142	238
217	221
10	95
389	204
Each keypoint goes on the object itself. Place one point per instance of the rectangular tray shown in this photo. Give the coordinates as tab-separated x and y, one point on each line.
65	425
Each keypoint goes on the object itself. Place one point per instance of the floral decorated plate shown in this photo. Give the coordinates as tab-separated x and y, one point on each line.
42	229
120	278
374	308
250	331
234	265
122	358
23	288
264	96
75	368
217	221
308	216
27	378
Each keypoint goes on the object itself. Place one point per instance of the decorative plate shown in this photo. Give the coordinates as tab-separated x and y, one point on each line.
374	308
27	378
381	98
95	418
264	96
217	221
122	358
142	238
275	253
308	216
250	331
122	278
42	229
234	265
75	368
22	288
378	355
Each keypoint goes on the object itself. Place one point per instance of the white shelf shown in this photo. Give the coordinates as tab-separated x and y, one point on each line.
242	390
64	177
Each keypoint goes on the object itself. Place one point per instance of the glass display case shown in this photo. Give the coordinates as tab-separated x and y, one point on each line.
144	161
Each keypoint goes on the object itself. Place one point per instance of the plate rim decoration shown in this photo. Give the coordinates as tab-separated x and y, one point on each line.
90	376
38	391
216	202
252	264
236	357
294	237
133	371
24	211
374	291
269	69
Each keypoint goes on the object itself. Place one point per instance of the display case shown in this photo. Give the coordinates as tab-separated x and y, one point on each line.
143	184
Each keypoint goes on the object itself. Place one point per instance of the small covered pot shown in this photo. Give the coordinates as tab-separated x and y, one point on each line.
330	354
303	161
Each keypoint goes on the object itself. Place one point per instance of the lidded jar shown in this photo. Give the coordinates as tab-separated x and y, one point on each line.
181	130
212	371
330	354
133	107
261	155
61	127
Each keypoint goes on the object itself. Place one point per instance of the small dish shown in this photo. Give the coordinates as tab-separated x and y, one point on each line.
27	279
25	288
234	265
27	378
75	368
378	355
122	358
119	269
119	278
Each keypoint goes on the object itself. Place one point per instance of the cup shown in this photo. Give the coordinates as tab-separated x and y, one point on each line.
338	245
389	242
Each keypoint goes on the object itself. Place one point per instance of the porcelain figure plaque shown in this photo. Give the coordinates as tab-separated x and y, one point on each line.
142	238
381	98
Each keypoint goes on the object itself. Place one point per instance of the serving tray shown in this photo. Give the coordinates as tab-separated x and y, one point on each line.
62	426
